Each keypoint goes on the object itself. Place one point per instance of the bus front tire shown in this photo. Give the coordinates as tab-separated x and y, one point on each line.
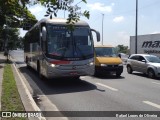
27	63
39	70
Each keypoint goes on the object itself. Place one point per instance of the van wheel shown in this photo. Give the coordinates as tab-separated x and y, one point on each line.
129	69
151	73
118	74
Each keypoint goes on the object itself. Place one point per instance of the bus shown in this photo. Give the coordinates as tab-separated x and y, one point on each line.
55	51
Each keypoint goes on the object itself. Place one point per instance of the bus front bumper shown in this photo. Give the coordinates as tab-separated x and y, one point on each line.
57	73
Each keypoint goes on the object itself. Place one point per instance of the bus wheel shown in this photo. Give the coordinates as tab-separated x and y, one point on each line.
27	62
76	77
39	69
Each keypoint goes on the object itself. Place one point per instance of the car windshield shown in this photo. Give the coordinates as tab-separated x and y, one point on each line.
65	44
105	51
153	59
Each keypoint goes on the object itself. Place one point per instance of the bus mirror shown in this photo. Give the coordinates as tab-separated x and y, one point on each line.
119	55
97	34
44	33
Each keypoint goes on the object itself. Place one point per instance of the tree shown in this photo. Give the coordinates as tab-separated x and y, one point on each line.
122	49
14	13
67	5
10	38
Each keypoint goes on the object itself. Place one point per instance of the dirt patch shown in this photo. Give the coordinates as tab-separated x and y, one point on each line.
1	66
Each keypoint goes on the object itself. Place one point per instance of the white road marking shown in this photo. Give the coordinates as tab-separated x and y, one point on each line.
111	88
82	77
152	104
156	83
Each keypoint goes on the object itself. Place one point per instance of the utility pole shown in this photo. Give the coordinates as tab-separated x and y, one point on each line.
102	27
64	14
136	27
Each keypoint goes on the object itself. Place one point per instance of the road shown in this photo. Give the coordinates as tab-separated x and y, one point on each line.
130	92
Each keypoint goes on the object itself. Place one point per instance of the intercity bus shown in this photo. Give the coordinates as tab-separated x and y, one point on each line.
54	51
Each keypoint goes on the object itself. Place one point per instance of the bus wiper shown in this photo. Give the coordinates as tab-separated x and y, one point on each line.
64	53
84	57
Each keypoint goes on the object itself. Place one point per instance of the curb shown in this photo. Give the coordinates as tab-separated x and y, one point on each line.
26	98
1	73
26	93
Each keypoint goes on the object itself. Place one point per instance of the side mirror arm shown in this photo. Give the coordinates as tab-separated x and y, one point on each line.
97	34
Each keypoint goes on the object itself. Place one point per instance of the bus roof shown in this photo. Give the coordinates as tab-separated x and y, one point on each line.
58	21
61	21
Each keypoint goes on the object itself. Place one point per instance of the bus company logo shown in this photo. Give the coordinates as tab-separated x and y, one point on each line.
151	44
6	114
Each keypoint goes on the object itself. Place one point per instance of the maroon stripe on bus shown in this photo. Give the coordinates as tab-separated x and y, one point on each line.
60	62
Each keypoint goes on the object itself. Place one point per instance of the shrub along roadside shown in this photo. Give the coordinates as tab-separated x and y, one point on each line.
10	99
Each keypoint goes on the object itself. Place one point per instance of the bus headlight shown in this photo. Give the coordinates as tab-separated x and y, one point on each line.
91	63
52	65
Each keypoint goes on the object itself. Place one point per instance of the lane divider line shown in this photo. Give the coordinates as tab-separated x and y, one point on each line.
152	104
156	83
111	88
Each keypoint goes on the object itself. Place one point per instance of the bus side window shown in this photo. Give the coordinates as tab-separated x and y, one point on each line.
43	43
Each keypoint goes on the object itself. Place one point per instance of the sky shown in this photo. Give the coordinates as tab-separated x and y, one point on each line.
119	18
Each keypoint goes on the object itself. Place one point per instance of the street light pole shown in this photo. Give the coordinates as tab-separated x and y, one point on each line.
6	41
136	27
64	14
102	27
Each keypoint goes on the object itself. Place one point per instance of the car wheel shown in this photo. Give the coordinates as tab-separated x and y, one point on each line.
151	73
129	69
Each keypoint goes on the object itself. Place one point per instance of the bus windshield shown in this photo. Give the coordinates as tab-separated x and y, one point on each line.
64	44
105	51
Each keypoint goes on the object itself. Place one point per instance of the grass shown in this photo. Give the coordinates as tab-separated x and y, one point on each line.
10	99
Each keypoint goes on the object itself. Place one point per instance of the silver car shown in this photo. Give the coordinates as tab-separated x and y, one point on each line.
147	64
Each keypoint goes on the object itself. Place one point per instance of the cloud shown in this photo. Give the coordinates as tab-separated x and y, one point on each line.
101	7
118	19
155	32
36	9
123	38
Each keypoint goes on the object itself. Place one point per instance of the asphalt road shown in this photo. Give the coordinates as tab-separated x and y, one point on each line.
130	92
